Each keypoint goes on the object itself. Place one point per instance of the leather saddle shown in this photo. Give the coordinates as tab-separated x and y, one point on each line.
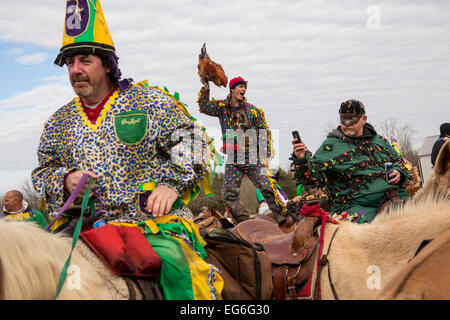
206	222
291	254
212	219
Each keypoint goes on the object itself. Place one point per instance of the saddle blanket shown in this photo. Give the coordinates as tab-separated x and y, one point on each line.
124	249
167	247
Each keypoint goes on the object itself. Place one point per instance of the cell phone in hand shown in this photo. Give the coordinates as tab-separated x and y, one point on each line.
296	135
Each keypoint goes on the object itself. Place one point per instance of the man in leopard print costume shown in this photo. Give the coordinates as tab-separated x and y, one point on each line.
126	136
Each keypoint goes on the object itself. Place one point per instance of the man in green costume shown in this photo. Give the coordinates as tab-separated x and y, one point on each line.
349	165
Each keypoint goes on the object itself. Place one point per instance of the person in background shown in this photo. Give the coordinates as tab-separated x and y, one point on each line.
263	206
443	137
237	116
15	208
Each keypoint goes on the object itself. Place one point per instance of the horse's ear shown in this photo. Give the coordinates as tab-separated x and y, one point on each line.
443	160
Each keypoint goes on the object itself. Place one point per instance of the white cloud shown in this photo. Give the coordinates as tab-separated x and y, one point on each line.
34	58
15	51
23	117
13	180
32	21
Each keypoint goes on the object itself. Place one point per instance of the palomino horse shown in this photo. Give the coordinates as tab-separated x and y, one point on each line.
427	276
32	259
362	259
359	260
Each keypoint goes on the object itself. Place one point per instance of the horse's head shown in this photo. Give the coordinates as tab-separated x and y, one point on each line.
439	181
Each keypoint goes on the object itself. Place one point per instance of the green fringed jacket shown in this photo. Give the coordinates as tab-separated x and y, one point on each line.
352	171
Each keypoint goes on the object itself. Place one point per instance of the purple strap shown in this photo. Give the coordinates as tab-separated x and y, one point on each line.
283	194
69	201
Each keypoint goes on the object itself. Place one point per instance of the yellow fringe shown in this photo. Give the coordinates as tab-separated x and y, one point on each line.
102	115
273	185
204	184
269	134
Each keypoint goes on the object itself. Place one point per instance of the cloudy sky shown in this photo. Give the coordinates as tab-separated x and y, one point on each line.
301	60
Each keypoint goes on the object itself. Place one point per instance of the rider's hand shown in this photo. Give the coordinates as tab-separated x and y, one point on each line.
299	149
394	177
73	178
161	200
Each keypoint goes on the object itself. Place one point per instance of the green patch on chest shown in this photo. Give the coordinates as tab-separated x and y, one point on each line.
131	126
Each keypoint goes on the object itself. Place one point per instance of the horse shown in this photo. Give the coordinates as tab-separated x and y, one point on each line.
31	262
212	219
361	259
427	275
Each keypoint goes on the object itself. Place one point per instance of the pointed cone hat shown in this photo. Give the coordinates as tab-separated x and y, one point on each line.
85	31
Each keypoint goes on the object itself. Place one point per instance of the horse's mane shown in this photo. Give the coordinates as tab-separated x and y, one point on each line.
2	288
25	243
431	206
34	260
400	230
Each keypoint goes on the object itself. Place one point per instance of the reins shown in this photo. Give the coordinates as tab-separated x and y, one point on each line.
77	230
316	211
323	262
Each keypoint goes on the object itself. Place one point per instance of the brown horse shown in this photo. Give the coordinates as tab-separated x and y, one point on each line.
212	219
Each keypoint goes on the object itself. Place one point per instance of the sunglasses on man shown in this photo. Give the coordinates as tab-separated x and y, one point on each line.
349	119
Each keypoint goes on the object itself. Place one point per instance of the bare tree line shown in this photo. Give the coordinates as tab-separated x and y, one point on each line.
404	134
